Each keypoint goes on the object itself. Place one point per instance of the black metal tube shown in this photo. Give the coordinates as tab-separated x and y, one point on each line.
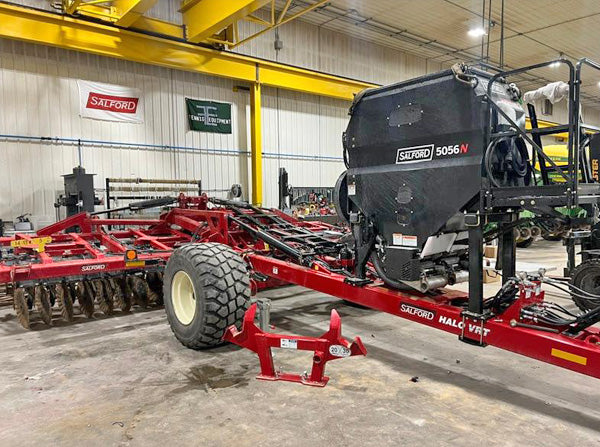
287	249
508	253
538	140
575	114
570	181
529	140
108	198
476	269
502	35
145	204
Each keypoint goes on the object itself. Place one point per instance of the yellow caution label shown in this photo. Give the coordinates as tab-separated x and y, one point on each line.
39	241
135	263
569	356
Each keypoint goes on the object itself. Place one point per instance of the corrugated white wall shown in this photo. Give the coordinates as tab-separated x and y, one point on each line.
316	48
39	97
302	132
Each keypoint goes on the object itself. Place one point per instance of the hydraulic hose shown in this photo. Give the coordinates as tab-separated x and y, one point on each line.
517	169
488	157
381	272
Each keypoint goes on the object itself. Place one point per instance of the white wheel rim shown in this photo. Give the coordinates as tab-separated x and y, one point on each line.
183	297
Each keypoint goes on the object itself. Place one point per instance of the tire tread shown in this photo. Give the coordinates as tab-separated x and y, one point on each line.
224	277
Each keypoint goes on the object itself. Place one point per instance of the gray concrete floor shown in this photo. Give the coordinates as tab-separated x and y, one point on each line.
125	380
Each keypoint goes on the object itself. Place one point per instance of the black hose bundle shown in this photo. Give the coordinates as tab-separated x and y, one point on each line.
508	157
503	298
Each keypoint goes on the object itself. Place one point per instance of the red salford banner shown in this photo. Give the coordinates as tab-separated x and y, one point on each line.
109	102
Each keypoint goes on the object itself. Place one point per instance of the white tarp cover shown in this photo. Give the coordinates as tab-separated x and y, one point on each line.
109	102
554	92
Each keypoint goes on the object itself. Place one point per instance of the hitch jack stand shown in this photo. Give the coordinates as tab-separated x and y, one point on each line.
329	346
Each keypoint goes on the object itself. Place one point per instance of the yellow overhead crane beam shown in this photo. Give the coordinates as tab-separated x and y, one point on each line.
70	33
120	12
204	18
212	22
66	32
129	11
125	13
231	38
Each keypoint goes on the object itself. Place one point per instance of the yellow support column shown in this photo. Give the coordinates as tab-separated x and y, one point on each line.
256	143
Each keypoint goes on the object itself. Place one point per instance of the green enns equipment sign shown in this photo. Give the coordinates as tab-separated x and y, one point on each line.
209	116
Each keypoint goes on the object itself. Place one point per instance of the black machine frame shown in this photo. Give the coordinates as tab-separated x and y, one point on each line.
502	204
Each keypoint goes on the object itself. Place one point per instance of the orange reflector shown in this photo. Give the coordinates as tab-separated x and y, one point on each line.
130	255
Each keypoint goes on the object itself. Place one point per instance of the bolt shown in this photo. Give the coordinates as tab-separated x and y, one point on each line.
522	202
533	202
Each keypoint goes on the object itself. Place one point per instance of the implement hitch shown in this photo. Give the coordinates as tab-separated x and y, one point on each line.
329	346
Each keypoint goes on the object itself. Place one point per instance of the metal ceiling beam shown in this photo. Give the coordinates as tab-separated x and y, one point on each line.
204	18
75	34
281	21
129	11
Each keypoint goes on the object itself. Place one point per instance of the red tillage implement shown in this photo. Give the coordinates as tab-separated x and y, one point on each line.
243	249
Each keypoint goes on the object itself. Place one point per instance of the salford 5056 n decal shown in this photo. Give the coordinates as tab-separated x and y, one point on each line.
414	154
428	152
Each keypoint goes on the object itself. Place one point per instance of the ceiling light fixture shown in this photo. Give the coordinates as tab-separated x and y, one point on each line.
476	32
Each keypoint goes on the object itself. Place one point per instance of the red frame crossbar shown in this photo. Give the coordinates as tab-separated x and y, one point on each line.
329	346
